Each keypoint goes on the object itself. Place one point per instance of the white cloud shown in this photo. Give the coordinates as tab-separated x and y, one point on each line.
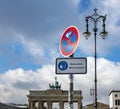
38	53
13	82
75	2
32	47
105	7
112	3
113	23
41	29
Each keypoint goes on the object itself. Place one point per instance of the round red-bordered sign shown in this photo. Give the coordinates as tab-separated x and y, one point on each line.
69	41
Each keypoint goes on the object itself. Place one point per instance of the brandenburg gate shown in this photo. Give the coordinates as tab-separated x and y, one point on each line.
54	94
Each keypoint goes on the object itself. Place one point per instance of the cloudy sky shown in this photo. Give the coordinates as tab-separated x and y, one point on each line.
30	32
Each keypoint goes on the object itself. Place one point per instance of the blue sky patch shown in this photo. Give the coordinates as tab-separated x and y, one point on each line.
84	5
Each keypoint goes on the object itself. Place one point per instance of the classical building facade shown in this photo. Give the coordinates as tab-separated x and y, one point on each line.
50	96
114	99
54	94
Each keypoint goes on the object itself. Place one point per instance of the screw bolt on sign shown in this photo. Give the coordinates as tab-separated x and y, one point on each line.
69	41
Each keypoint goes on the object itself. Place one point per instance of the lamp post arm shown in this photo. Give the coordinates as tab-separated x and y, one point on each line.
95	20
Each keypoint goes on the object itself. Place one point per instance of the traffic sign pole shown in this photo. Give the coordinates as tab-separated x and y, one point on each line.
68	44
71	92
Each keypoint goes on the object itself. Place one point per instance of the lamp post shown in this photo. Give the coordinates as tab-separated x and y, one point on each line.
92	94
95	18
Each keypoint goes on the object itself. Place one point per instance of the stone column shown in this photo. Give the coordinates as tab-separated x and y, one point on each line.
31	105
49	104
61	105
40	105
79	104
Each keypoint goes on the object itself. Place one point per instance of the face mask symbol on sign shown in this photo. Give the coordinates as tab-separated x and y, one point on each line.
63	65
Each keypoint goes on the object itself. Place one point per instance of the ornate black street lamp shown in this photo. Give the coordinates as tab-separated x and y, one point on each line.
95	18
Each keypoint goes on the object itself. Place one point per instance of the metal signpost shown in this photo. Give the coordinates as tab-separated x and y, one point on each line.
71	66
68	45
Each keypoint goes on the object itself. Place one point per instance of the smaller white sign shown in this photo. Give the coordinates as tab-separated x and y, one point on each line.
71	65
